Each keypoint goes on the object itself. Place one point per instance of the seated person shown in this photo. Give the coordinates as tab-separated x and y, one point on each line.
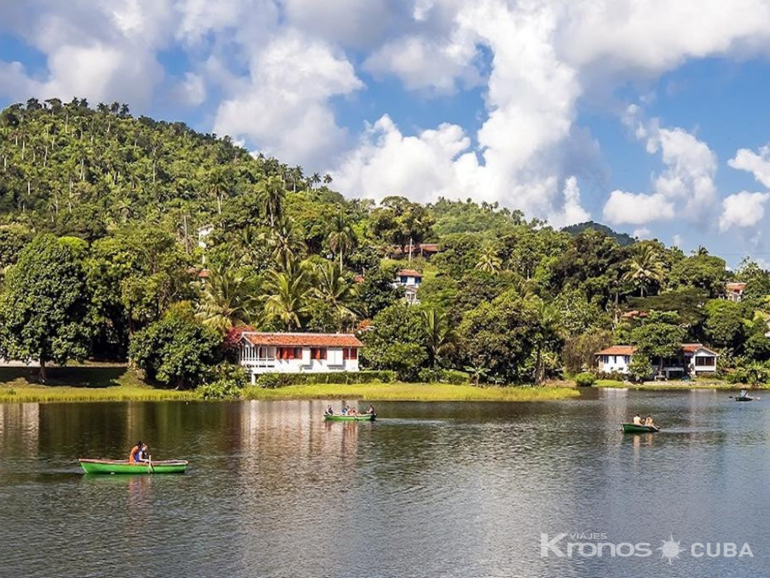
648	421
637	419
370	411
329	410
138	454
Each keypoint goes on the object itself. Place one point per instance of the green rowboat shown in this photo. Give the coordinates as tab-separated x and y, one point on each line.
123	467
633	428
340	417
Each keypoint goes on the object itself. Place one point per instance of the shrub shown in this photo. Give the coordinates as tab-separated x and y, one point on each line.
451	376
273	380
585	379
226	381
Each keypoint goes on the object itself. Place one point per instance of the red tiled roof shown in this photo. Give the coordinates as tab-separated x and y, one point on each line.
693	347
618	350
735	286
304	339
429	247
359	279
409	273
633	314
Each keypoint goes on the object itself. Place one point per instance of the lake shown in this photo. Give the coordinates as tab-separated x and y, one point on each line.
430	489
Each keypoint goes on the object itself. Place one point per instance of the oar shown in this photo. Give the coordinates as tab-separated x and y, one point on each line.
149	465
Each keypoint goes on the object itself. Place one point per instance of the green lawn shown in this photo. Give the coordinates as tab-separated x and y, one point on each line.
104	382
412	392
81	383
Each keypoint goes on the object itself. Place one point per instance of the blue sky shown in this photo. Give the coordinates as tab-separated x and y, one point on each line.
645	115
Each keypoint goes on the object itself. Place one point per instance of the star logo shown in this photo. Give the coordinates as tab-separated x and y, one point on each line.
670	549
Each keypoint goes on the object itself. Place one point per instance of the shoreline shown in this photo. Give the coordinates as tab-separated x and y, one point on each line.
427	392
676	386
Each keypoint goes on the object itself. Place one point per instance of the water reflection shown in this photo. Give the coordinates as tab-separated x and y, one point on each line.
440	489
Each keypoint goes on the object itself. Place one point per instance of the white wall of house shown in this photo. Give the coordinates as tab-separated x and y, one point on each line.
703	361
614	363
263	359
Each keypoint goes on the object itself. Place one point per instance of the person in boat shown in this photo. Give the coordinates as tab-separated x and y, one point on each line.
648	421
637	419
329	410
744	393
370	411
352	411
138	454
345	410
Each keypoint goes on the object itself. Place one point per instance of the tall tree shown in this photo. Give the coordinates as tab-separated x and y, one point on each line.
439	335
333	289
44	304
645	269
226	299
286	296
342	238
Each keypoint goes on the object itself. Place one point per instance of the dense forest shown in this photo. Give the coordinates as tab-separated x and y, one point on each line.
128	237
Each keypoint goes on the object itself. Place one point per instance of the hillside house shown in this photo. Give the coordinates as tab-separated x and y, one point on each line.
734	291
297	352
694	359
410	280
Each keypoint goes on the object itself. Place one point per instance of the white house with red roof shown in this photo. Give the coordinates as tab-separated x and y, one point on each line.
694	359
297	352
734	291
410	280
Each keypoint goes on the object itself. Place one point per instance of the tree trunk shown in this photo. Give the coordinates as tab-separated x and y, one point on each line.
43	372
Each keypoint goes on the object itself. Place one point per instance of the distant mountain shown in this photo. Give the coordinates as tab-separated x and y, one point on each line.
622	238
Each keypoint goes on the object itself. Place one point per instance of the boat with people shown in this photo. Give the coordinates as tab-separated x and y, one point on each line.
639	428
348	413
91	466
360	417
744	396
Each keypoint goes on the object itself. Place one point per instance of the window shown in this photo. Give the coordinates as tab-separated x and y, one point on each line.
289	353
707	361
350	353
318	353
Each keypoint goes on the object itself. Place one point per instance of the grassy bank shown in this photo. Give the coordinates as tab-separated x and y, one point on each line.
675	385
84	383
412	392
118	383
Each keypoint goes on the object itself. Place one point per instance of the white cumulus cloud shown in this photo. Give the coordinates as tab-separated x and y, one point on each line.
758	164
742	209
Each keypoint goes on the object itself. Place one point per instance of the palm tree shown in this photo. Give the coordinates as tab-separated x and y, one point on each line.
440	338
315	179
286	295
341	237
226	300
335	290
285	242
270	196
488	260
645	268
328	179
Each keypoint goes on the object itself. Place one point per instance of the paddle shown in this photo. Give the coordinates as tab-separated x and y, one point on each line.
149	465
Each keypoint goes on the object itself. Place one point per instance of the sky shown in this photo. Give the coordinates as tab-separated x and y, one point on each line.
650	116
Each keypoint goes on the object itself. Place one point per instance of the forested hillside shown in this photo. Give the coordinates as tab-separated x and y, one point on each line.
122	235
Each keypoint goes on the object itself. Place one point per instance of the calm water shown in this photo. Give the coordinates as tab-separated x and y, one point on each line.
439	489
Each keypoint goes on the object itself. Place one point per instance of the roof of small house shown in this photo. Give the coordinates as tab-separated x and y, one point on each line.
735	286
631	349
618	350
633	314
409	273
693	347
303	339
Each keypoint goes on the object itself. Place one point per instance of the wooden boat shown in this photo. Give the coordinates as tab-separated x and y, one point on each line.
360	417
633	428
123	467
744	398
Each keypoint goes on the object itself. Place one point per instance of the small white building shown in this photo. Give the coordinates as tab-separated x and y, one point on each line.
694	359
734	291
298	352
410	280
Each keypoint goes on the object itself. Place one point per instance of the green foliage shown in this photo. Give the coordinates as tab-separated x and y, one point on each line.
44	304
725	326
585	379
176	351
659	336
702	271
225	381
640	367
273	380
452	376
376	292
578	353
